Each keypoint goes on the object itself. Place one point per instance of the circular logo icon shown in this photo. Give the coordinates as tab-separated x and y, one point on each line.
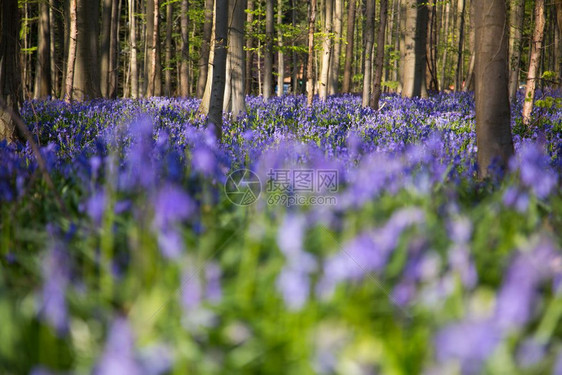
242	187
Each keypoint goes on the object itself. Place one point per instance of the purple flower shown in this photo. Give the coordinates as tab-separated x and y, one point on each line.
294	286
191	290
213	275
170	242
171	204
530	352
460	229
204	161
119	353
55	276
469	342
291	234
95	206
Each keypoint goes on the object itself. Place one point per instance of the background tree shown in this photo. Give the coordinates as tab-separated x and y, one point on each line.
43	67
235	91
414	57
493	116
379	62
347	71
11	93
86	68
310	60
534	61
516	16
326	50
268	54
367	53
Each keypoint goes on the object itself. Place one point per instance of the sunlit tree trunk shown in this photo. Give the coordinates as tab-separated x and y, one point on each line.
414	57
493	117
367	54
43	66
206	48
280	57
184	65
69	82
532	75
114	49
168	51
268	53
10	80
249	46
154	84
379	61
105	37
219	68
458	75
234	95
326	51
347	71
446	17
517	13
310	61
337	37
134	75
206	99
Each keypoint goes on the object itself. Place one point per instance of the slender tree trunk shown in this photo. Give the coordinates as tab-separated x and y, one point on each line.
69	83
235	100
114	50
268	54
204	57
445	47
280	57
532	75
219	68
249	46
10	85
493	132
168	50
205	104
184	67
107	5
43	64
458	79
517	13
153	72
347	70
432	49
379	62
367	53
335	60
310	62
326	51
133	54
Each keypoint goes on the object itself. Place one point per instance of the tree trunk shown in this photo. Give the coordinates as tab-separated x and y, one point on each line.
415	49
558	46
133	54
280	57
310	61
69	83
154	84
86	75
379	62
235	101
43	67
10	85
206	99
268	54
204	57
184	67
335	60
114	50
517	13
532	75
367	58
493	132
445	47
347	71
326	51
249	46
458	76
168	50
104	46
219	68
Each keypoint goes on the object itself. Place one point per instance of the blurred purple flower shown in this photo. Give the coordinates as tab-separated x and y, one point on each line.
118	357
95	206
191	290
469	342
55	280
294	286
156	359
530	352
204	161
170	242
460	230
213	277
171	204
291	234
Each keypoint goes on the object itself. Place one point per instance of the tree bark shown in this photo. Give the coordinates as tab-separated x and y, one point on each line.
235	101
154	84
458	75
445	47
219	68
558	59
168	50
379	62
43	82
249	46
87	75
133	54
280	57
493	132
310	61
347	71
114	50
11	91
204	57
415	49
268	53
532	75
367	53
184	68
105	37
335	60
517	13
326	51
69	83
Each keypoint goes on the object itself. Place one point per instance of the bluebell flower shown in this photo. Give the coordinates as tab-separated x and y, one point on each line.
119	357
56	273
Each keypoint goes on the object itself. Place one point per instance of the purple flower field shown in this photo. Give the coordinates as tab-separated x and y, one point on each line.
323	240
